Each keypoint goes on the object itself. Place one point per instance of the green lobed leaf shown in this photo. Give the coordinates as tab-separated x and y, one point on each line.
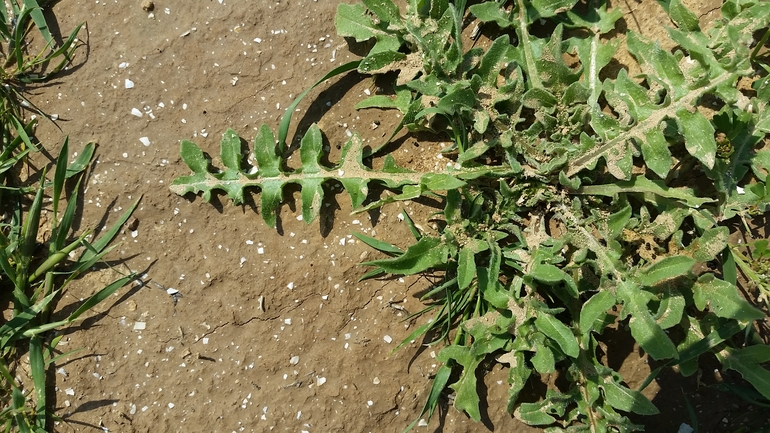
748	362
622	398
708	246
381	62
543	361
723	299
699	136
533	414
640	184
596	18
656	154
518	374
559	332
644	329
495	59
492	12
671	308
593	311
665	269
466	268
683	17
549	8
351	21
385	10
428	252
659	63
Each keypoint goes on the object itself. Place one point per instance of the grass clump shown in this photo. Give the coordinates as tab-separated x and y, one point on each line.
34	274
580	196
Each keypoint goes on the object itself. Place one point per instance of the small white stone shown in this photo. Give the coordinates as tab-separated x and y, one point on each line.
69	391
294	360
320	381
137	112
388	339
171	405
145	141
138	326
376	381
205	340
129	84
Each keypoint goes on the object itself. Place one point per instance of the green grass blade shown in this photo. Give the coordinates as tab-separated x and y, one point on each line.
29	232
84	265
100	296
55	258
36	12
66	221
439	384
82	160
378	245
372	274
11	329
691	413
412	227
5	265
37	368
21	130
729	267
58	180
65	51
101	243
283	128
18	410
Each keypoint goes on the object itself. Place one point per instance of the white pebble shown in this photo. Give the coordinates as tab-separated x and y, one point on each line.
320	381
138	326
136	112
129	84
387	339
294	360
145	141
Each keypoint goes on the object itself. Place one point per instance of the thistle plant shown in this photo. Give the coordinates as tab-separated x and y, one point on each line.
571	204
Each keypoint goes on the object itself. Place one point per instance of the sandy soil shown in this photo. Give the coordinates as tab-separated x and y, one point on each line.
273	332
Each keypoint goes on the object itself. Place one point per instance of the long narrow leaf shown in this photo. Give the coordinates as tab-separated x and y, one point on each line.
283	128
37	368
100	296
101	243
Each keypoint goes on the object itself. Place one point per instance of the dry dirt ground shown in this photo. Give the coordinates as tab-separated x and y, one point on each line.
273	332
